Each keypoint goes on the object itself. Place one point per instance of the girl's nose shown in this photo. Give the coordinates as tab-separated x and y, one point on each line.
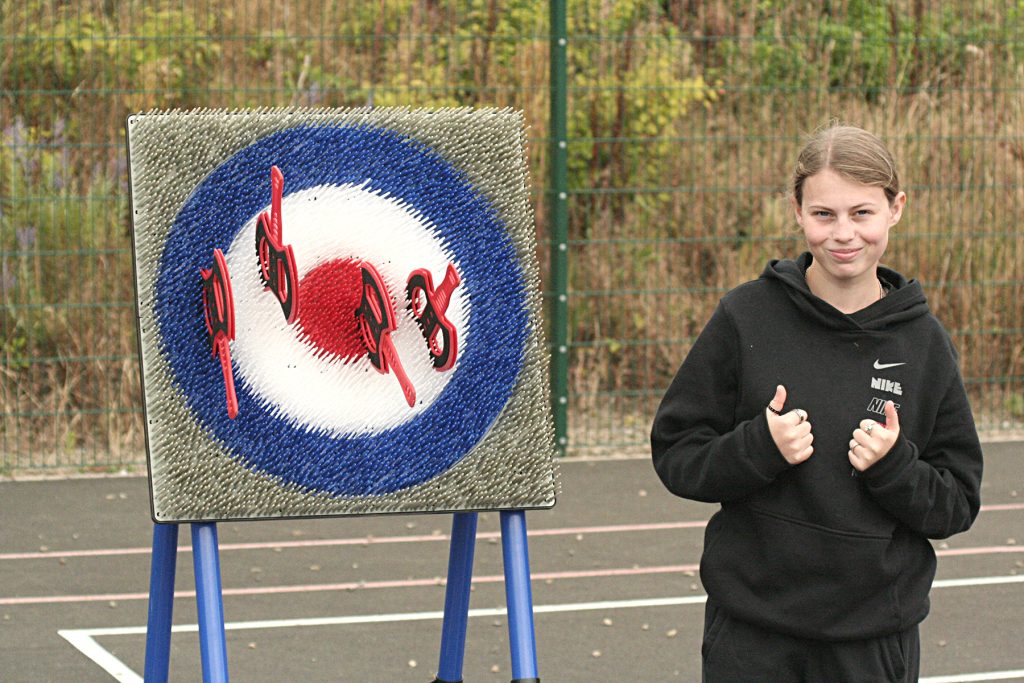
843	230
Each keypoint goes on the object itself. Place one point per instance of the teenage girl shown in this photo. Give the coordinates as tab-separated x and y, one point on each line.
822	406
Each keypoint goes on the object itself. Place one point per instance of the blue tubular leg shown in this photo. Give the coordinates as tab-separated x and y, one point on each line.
161	602
456	598
519	597
209	603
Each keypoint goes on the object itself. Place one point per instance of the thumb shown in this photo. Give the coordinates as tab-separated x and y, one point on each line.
892	417
778	401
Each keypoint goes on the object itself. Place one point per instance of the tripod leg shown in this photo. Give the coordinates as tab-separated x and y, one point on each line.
456	598
161	602
209	603
519	597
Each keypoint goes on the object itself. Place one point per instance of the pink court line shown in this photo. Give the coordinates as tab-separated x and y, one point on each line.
374	540
365	540
437	581
992	550
1002	506
355	585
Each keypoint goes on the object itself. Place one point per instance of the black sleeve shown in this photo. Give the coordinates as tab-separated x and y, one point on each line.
699	449
934	490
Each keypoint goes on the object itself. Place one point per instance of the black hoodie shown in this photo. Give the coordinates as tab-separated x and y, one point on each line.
816	550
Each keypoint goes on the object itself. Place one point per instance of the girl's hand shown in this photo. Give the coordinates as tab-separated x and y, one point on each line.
872	440
791	431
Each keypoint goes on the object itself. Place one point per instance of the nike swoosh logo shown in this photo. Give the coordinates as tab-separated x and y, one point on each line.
883	366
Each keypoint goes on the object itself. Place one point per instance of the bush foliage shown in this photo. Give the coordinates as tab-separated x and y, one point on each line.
683	120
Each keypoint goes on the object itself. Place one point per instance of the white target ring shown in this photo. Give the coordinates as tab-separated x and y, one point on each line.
295	377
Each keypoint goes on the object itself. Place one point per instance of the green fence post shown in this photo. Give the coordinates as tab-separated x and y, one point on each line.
558	212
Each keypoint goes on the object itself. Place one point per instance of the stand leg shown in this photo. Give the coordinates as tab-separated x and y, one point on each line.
519	597
210	603
161	602
456	598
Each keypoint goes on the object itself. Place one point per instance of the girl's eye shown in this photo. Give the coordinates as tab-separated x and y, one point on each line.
822	214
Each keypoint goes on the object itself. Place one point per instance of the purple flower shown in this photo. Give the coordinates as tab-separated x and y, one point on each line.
16	133
121	171
314	94
17	137
8	280
26	238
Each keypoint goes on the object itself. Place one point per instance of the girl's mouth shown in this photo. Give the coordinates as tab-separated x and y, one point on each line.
844	255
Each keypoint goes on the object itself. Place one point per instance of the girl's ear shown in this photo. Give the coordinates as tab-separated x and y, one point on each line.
797	210
896	208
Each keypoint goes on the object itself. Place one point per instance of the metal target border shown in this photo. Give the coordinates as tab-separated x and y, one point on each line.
442	188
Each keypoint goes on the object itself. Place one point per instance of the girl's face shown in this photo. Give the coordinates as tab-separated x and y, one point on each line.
846	225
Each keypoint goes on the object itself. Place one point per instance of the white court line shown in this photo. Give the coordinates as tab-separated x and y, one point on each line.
970	678
84	639
979	581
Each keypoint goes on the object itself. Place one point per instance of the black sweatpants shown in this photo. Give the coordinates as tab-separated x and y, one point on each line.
737	652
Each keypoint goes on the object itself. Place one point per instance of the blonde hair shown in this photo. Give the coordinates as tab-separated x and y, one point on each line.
851	152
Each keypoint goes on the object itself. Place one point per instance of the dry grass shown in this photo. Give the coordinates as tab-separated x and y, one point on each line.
678	190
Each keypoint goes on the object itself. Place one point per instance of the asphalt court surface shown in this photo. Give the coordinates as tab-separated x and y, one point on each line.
615	587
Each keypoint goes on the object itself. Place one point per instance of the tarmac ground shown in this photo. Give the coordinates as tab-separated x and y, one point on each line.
616	592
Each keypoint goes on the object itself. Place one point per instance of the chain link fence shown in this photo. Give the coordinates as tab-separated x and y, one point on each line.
675	123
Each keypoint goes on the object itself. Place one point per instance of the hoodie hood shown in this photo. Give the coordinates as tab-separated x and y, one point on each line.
905	300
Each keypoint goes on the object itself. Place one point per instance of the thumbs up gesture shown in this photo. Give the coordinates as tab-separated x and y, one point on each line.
791	430
872	440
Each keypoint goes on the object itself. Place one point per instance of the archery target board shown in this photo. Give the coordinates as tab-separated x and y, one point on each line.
339	313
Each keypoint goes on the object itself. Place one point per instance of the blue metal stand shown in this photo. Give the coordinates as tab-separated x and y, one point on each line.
519	597
209	603
161	603
456	598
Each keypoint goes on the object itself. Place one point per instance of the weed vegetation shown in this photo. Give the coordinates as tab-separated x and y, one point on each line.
684	119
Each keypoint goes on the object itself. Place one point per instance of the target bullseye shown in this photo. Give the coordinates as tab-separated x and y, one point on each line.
328	295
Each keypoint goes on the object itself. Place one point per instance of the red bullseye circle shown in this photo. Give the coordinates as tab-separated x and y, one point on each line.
328	298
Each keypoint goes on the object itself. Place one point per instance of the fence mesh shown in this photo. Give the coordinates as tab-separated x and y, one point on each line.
687	119
683	120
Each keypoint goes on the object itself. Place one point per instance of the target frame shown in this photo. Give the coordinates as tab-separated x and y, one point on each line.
207	466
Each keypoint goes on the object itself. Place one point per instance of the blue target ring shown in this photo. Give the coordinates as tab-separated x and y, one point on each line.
429	443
